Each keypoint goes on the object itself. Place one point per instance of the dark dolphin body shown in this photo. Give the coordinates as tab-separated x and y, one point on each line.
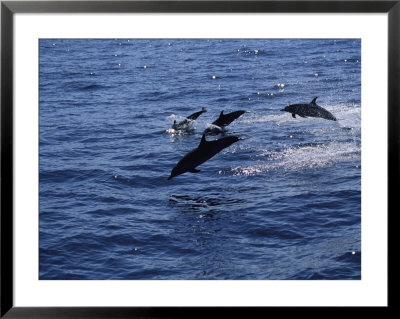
188	120
309	110
226	119
202	153
194	116
222	121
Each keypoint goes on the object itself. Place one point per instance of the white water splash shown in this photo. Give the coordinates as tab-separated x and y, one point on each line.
333	144
297	158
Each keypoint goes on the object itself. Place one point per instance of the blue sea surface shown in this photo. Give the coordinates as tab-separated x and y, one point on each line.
282	204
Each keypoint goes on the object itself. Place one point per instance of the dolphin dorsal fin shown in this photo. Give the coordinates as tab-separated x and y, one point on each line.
314	100
221	114
203	140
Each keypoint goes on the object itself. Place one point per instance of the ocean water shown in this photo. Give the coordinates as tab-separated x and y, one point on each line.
282	204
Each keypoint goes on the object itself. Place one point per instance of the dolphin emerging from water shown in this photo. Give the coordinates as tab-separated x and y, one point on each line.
309	110
202	153
188	120
222	121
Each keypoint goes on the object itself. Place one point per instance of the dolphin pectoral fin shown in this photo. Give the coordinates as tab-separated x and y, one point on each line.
294	115
193	170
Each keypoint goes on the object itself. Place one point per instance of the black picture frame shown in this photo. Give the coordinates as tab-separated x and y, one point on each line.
9	8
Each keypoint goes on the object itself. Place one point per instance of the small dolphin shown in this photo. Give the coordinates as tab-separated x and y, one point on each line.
223	120
226	119
309	110
188	120
194	116
202	153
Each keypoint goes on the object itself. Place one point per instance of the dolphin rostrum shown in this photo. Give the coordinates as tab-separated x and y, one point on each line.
202	153
222	121
309	110
188	120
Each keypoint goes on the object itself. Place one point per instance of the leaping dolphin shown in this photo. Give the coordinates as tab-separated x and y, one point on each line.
202	153
188	120
309	110
226	119
222	121
194	116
